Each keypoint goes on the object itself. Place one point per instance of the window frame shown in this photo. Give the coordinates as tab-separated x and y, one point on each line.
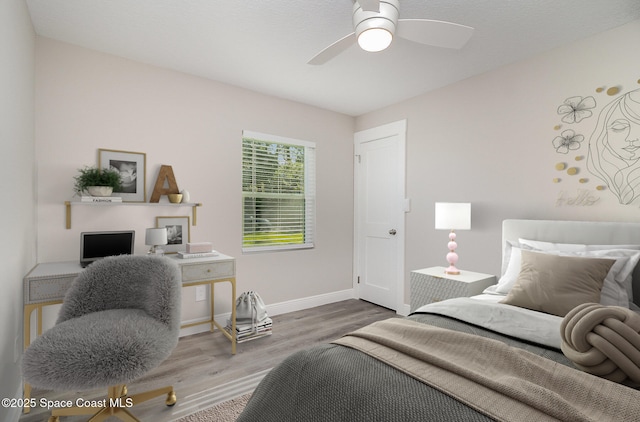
309	194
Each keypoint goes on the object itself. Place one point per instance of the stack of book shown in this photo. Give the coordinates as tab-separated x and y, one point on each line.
246	332
187	255
198	250
87	198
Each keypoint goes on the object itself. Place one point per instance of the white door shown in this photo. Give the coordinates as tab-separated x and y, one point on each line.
379	214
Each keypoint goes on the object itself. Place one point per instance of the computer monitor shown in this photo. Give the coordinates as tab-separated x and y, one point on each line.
97	245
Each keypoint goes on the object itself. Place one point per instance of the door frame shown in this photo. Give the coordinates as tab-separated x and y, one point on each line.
398	128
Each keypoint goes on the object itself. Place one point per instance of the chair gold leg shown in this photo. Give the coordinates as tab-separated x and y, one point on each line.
117	405
73	411
171	398
142	397
119	412
103	414
126	416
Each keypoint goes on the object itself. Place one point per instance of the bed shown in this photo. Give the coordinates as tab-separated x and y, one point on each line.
516	352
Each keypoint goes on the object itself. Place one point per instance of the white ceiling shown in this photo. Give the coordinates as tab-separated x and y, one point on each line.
264	45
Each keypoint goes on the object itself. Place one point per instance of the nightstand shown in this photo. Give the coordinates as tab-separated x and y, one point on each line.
433	284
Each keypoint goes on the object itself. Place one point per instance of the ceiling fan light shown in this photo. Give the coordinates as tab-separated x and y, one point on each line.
375	39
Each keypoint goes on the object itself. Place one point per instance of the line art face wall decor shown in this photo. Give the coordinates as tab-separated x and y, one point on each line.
612	147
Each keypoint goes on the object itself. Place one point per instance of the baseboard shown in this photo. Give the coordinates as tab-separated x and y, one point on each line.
275	309
309	302
203	327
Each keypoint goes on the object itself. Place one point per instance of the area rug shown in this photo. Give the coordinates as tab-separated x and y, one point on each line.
227	411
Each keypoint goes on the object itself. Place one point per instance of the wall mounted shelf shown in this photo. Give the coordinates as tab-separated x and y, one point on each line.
194	206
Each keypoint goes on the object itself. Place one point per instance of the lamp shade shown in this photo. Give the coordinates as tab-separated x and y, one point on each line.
453	216
155	237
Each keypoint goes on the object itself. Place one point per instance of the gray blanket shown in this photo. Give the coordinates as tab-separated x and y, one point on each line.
336	383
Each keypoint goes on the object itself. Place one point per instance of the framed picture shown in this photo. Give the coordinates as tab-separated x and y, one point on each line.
132	168
178	232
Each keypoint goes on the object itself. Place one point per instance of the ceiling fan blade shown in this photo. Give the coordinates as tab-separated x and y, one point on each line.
333	50
369	5
436	33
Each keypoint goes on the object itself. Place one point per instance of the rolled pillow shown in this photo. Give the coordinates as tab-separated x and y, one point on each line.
603	341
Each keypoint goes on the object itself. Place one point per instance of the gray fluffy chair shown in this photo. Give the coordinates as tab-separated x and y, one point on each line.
120	319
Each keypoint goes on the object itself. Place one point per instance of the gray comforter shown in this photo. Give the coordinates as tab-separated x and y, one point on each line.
337	383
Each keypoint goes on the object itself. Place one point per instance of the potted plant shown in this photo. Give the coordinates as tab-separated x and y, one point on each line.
97	181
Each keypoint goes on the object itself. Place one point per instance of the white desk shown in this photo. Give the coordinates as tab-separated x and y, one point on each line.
46	284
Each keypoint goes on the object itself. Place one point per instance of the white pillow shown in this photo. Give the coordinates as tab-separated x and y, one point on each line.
506	254
538	245
570	247
617	284
510	275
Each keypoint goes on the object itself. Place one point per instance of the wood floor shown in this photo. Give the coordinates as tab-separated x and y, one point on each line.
203	371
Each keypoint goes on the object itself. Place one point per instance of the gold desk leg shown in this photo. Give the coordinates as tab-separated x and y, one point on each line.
26	336
212	321
67	205
233	316
211	297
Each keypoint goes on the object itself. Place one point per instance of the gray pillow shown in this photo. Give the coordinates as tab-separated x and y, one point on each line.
556	284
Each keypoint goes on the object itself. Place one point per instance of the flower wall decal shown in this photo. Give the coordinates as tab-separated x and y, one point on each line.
567	141
612	153
575	109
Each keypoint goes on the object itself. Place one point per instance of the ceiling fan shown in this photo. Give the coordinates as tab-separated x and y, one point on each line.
376	22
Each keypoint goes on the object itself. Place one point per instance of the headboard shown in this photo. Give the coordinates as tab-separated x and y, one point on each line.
583	232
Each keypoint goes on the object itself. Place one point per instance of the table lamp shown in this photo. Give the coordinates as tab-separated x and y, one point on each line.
453	216
156	237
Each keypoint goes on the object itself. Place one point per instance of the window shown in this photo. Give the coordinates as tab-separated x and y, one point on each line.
278	192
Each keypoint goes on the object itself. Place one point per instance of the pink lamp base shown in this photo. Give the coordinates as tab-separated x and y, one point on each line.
452	256
452	270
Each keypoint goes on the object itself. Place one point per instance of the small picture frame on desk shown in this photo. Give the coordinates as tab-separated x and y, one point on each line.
178	232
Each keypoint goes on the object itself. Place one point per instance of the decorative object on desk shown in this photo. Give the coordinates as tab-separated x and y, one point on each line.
156	237
175	198
131	166
164	175
188	255
178	232
96	182
453	216
186	196
199	247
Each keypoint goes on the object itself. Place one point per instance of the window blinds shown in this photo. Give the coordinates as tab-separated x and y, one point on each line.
278	192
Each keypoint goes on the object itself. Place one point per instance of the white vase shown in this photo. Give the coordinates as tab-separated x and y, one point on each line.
100	190
185	195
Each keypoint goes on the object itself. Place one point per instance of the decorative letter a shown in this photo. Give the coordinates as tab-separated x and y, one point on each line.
165	173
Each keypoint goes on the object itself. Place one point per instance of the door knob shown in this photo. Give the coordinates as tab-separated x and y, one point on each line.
392	232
